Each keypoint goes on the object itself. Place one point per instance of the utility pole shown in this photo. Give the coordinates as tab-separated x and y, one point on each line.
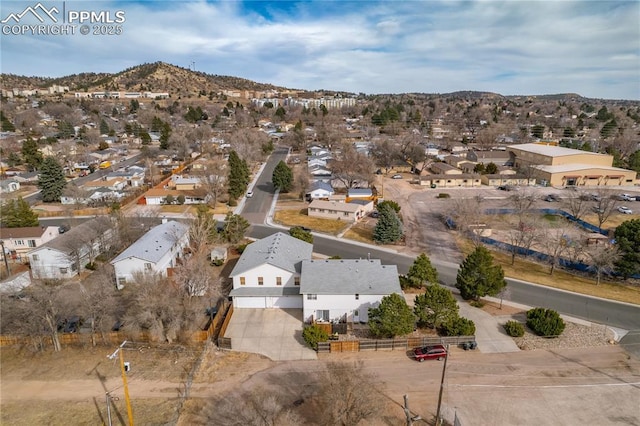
124	380
6	261
444	371
108	408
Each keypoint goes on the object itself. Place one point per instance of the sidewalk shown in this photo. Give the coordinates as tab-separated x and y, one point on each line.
490	334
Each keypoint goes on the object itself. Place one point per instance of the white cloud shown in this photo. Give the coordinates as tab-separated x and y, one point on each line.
508	47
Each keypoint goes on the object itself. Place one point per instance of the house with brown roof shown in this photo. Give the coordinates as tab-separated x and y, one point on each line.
349	212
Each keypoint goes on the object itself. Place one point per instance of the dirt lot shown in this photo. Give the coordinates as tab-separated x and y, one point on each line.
557	386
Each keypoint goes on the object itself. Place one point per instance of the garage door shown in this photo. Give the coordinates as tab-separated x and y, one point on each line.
249	302
285	302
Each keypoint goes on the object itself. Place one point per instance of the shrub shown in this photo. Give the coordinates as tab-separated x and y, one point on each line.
458	327
91	266
545	322
217	262
314	334
444	195
477	303
233	202
240	247
514	329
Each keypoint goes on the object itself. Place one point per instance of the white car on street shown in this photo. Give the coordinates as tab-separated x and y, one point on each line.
625	210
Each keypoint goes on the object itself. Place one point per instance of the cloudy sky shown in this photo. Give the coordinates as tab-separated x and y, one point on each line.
515	47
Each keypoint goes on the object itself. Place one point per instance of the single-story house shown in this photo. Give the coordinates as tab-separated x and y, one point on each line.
9	185
267	274
184	183
154	252
18	241
360	193
345	289
114	184
319	171
350	212
319	190
157	196
444	169
451	181
64	256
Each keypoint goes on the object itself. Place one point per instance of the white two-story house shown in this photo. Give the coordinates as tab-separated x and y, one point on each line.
345	289
19	241
278	272
267	274
153	253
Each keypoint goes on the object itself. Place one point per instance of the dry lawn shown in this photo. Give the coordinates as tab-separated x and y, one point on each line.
615	219
360	232
298	217
539	274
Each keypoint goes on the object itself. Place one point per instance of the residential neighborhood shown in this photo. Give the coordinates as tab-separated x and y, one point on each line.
220	234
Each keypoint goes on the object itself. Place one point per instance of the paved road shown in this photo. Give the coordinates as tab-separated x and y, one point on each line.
36	197
256	208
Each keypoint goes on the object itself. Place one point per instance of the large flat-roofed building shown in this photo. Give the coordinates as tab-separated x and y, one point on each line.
558	166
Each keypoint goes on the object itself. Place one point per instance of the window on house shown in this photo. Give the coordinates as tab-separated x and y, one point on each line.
63	270
147	266
357	297
31	243
296	280
278	280
19	242
74	266
312	297
260	281
122	280
346	213
35	257
242	281
322	315
356	313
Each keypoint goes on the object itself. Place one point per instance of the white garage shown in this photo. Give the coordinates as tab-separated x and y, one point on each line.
267	297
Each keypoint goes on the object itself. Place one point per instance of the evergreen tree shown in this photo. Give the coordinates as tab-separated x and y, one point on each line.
436	306
627	237
165	132
389	228
491	169
422	272
104	127
18	214
392	318
31	155
478	276
5	124
282	177
234	228
238	176
51	181
301	234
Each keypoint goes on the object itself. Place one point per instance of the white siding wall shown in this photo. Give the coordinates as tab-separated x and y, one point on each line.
269	274
49	264
339	305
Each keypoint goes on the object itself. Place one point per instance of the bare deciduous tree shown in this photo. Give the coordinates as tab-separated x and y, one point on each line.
577	206
98	303
352	167
554	242
605	204
523	236
258	407
602	258
348	394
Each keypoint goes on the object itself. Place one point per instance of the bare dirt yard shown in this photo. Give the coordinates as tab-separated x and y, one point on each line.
587	385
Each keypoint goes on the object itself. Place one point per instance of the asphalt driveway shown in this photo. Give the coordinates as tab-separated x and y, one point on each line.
274	333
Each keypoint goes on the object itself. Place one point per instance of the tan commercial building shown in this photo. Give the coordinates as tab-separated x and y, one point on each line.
558	166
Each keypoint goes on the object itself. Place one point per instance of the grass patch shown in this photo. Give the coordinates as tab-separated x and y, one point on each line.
550	217
363	234
539	274
299	217
613	221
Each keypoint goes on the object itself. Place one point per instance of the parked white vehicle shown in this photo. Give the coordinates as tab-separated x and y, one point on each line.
625	210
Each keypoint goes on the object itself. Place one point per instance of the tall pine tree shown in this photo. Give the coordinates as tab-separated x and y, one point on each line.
478	276
389	227
238	176
18	214
282	177
51	181
30	154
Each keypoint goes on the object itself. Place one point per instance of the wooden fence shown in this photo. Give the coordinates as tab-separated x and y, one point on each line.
225	342
116	337
391	344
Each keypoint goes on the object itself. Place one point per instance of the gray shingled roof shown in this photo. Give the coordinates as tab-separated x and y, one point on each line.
348	276
68	242
280	250
155	243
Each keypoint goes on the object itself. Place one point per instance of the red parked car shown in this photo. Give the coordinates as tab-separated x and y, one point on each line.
430	352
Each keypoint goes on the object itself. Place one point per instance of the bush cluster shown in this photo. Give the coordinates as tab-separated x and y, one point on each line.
314	334
444	195
514	329
458	327
545	322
